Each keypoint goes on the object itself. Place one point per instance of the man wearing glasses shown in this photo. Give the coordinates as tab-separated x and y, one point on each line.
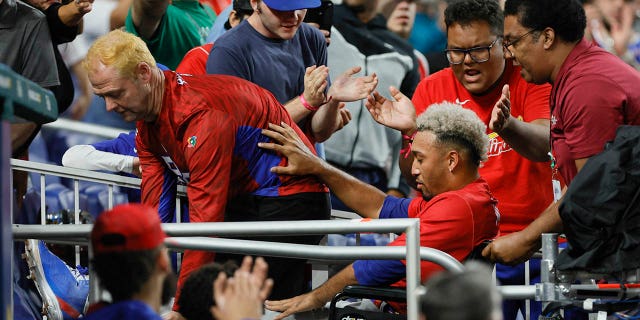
593	94
515	112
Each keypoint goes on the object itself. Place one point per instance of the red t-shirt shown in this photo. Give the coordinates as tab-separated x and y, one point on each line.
195	60
594	93
522	187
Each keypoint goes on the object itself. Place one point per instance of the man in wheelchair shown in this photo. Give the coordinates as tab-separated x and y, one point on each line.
457	211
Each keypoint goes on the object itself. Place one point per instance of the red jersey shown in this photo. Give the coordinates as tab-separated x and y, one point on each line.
195	60
594	93
454	222
207	133
522	187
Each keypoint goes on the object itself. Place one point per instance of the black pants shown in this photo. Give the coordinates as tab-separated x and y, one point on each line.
289	275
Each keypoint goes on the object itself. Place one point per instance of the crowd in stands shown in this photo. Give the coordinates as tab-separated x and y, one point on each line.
472	115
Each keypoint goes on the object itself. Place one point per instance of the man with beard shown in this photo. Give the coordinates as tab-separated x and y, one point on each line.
131	262
457	211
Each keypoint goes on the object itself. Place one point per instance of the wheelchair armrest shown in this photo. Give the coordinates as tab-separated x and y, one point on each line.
379	293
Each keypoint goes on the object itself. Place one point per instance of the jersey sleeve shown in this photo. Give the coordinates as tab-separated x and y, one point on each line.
208	143
379	272
156	179
393	207
88	158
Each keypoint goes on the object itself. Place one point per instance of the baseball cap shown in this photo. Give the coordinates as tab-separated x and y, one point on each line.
289	5
244	5
127	227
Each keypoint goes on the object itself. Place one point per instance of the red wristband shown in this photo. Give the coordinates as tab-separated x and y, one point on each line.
306	104
406	151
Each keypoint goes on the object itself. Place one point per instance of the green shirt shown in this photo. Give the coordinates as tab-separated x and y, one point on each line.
185	25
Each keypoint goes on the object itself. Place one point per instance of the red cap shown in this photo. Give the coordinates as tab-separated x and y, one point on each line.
127	227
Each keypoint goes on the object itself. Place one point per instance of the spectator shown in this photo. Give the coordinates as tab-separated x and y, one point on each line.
170	28
197	300
195	60
457	211
516	114
131	262
365	149
610	26
401	16
275	50
593	92
470	295
204	129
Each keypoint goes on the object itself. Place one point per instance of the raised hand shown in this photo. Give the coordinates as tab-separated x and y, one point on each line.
315	83
501	112
347	88
399	114
243	295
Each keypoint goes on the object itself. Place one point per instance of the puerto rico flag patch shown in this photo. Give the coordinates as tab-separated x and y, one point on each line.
191	143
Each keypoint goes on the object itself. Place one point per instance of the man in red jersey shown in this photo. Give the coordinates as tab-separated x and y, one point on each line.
517	117
457	211
205	130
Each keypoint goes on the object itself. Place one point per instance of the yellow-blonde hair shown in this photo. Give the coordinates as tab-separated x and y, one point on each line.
119	49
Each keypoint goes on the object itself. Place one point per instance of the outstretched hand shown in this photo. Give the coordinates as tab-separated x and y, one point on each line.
347	88
301	161
399	114
294	305
501	113
243	295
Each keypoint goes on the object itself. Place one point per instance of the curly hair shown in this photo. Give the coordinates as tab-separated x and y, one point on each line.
464	12
124	273
565	17
196	297
452	124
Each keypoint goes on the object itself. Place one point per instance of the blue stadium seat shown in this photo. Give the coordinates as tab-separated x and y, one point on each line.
59	198
98	198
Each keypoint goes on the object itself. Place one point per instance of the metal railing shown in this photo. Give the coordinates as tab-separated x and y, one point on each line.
410	227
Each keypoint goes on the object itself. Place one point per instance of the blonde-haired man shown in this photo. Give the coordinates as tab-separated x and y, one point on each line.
204	130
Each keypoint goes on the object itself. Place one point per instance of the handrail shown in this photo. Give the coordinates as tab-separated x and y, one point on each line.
249	228
409	226
85	128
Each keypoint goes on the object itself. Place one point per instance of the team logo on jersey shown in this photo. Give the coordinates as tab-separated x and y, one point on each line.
179	80
192	141
462	103
553	120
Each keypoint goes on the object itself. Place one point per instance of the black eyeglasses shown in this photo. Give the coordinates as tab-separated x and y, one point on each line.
507	44
477	54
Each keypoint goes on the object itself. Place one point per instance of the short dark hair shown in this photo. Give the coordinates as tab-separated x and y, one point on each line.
196	296
565	17
465	12
469	295
124	273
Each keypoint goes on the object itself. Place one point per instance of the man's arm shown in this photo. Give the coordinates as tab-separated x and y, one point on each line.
316	298
89	158
147	14
520	246
363	198
531	139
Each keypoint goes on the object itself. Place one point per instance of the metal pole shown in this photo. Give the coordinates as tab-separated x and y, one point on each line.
6	241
